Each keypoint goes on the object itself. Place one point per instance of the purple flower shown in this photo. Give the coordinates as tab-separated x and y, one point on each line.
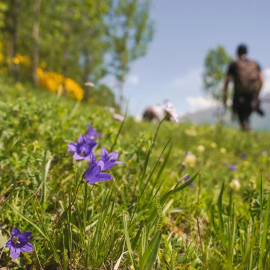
92	134
191	185
93	174
83	149
225	164
243	155
265	153
19	242
109	159
119	117
168	107
232	167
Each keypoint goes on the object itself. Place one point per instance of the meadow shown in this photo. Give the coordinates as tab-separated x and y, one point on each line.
187	197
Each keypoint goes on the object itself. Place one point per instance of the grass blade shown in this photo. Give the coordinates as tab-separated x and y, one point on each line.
150	253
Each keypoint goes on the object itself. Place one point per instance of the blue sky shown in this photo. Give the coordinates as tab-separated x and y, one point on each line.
184	32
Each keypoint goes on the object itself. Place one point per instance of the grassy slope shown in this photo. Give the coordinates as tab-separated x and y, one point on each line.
32	120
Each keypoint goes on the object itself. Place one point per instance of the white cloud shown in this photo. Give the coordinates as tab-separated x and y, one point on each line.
201	102
266	83
133	79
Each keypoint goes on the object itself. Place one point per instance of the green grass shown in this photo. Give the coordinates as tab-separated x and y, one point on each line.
147	217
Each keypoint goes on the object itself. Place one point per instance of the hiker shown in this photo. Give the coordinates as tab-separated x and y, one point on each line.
154	113
248	80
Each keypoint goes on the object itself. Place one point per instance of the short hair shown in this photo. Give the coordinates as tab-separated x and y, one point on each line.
242	49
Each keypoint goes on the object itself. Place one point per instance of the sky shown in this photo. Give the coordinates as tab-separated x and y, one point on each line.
184	33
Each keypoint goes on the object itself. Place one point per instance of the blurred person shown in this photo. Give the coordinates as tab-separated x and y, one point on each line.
154	113
248	79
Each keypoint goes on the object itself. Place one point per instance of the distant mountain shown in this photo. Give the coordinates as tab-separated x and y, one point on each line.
214	114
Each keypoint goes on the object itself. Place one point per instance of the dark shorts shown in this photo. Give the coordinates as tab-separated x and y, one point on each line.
242	106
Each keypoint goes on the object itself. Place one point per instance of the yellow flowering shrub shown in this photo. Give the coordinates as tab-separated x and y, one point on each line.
54	82
22	60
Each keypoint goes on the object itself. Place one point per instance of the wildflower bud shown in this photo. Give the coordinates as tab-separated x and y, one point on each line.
235	185
200	148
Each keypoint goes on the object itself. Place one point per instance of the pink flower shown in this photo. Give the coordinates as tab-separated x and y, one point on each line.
119	117
168	107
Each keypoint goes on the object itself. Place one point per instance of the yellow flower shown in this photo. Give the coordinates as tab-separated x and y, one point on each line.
246	163
23	60
223	150
190	160
54	81
200	148
235	185
191	132
16	61
213	145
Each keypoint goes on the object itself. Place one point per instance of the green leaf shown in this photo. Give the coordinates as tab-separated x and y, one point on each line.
27	257
3	240
27	220
264	252
128	242
220	208
150	253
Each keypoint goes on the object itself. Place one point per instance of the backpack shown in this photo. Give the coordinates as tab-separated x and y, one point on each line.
248	77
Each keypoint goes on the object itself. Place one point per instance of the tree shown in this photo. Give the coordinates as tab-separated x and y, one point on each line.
36	41
215	65
12	28
3	8
131	32
103	96
80	39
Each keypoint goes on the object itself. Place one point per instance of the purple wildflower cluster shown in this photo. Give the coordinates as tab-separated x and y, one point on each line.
84	148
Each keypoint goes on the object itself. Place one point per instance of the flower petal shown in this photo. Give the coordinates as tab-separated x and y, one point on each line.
25	235
100	178
27	248
14	252
119	162
108	165
15	231
100	163
72	147
81	139
93	146
91	172
76	156
91	157
113	156
104	152
8	244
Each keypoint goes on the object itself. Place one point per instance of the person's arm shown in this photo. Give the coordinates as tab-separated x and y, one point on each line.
225	89
261	80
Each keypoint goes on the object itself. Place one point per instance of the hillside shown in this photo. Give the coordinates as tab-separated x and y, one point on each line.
212	116
158	212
